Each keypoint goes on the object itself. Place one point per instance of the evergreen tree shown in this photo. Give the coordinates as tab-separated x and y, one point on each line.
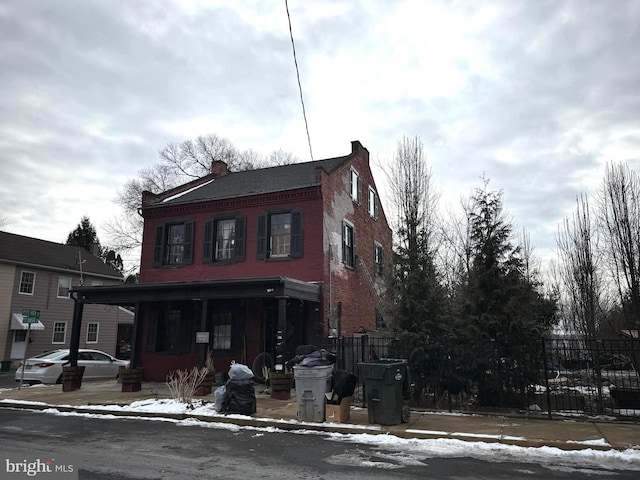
85	236
504	313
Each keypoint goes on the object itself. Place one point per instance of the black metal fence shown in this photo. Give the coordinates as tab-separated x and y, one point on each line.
553	376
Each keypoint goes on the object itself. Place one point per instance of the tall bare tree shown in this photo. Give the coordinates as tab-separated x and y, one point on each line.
580	271
619	202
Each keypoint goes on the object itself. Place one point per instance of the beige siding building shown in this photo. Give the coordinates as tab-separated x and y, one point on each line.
38	275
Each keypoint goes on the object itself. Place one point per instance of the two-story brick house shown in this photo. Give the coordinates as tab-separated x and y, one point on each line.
39	275
235	261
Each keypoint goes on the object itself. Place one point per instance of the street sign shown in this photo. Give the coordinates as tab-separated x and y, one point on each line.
30	316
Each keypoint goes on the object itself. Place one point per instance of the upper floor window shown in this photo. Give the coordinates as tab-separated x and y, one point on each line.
27	282
348	245
59	332
92	332
224	240
378	259
279	235
174	244
354	185
373	203
64	285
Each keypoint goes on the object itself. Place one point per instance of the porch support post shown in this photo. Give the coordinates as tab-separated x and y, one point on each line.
76	326
203	328
135	334
281	333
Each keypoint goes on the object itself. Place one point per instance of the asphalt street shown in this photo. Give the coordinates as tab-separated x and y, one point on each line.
122	448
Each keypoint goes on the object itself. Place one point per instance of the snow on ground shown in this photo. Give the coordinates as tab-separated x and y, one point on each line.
397	451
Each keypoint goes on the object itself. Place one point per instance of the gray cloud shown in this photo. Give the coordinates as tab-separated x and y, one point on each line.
536	95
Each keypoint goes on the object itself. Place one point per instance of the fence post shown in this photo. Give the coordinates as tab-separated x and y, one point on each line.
546	377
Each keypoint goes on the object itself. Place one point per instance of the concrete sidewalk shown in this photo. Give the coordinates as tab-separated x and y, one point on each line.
573	434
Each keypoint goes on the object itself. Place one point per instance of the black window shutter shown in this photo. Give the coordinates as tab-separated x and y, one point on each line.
240	238
344	243
188	243
261	241
296	234
159	246
207	245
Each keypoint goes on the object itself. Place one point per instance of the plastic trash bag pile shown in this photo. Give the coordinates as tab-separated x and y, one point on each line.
311	356
238	394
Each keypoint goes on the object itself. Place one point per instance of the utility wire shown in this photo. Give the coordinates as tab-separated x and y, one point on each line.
295	60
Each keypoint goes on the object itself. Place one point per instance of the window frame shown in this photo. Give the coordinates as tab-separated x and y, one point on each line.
264	235
68	295
161	247
57	331
97	332
22	282
210	238
372	203
378	259
348	244
354	186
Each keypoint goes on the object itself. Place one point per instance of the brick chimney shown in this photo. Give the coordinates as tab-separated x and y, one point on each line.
218	168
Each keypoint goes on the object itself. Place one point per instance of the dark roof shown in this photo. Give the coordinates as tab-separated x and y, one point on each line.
28	251
269	287
254	182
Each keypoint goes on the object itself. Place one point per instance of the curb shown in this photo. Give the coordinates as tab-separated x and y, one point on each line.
294	425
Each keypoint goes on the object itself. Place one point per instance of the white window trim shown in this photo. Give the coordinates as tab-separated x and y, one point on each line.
53	335
68	295
372	206
33	286
355	195
97	324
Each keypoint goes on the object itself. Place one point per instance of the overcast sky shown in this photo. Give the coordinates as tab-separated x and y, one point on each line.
536	95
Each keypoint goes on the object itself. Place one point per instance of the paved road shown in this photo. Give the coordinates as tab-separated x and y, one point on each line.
123	449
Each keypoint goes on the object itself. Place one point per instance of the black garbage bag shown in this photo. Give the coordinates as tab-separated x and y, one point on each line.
344	384
239	397
311	356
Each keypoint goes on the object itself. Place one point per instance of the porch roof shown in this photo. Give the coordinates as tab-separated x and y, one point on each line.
130	294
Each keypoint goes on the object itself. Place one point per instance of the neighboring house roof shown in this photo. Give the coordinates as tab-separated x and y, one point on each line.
36	253
254	182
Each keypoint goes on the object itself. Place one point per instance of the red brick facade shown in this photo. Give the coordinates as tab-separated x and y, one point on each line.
324	208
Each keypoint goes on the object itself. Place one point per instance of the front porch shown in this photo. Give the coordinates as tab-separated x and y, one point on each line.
177	324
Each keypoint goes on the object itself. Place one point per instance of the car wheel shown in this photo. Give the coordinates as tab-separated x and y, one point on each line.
59	380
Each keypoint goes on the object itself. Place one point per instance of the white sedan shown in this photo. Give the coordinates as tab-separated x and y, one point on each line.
47	367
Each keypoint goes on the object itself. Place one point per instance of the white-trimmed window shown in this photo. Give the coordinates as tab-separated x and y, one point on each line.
378	259
64	285
354	185
373	203
92	332
27	282
59	332
348	245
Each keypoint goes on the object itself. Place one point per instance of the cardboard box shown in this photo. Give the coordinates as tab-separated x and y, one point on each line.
339	413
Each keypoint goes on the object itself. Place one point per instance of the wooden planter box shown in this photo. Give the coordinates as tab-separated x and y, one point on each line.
131	378
72	378
280	384
207	385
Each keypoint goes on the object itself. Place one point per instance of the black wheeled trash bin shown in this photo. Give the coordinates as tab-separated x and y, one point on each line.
385	384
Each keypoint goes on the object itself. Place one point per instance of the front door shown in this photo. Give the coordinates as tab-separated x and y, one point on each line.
19	344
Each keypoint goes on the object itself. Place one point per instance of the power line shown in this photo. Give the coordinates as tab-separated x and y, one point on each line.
295	60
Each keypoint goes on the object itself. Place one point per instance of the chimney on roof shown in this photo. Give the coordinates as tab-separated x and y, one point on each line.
219	168
356	147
